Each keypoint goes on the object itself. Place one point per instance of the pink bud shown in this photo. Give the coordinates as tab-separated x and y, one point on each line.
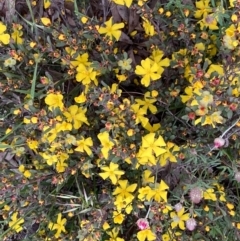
191	224
178	207
219	142
142	223
196	195
237	176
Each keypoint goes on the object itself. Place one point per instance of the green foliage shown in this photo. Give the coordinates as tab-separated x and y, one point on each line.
120	121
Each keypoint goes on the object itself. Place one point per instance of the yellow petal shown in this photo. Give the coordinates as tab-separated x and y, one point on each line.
5	38
46	21
84	19
47	4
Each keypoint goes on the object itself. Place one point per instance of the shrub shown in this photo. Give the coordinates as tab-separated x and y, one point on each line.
120	121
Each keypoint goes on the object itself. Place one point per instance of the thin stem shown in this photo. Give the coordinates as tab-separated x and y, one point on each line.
226	131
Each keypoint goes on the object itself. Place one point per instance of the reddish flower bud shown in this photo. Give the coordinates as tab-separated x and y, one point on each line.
191	115
199	74
233	106
142	223
219	142
215	81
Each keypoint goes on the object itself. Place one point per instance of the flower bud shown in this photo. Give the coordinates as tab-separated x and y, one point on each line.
191	224
237	176
178	207
191	115
219	142
196	195
142	223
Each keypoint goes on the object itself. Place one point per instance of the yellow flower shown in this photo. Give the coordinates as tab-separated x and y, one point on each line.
208	21
151	145
143	192
17	33
84	144
166	209
76	115
16	223
159	192
146	234
170	154
86	75
105	226
46	21
114	235
4	37
6	208
19	151
139	115
148	27
179	218
62	156
231	31
81	98
54	100
125	64
34	119
65	126
124	189
124	203
84	19
232	3
27	174
230	206
207	98
10	62
202	8
59	225
209	194
121	77
157	57
107	144
32	144
128	3
86	169
80	59
152	128
216	68
206	208
145	159
147	103
199	46
50	159
190	91
230	42
112	172
61	166
214	118
47	4
238	226
169	235
111	30
148	69
147	177
118	217
202	110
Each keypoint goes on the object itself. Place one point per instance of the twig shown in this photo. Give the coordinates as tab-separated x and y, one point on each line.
226	131
104	10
